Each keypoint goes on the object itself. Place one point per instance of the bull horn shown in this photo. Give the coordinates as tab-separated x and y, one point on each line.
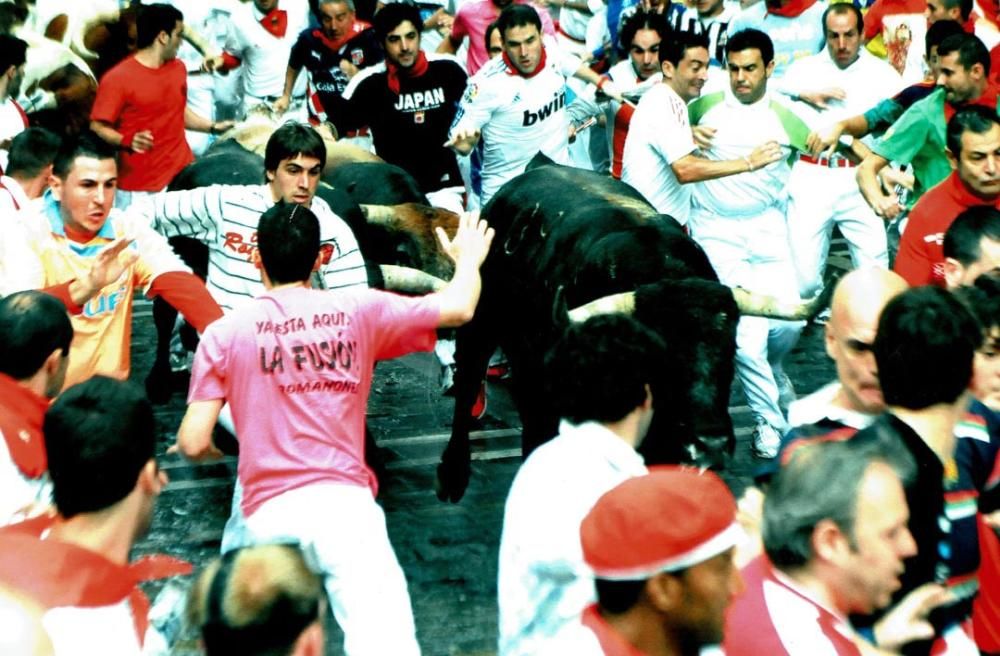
763	305
380	214
408	280
623	303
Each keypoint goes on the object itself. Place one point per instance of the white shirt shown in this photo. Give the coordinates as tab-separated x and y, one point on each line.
819	406
18	492
739	130
542	582
12	197
518	116
866	82
12	123
265	56
658	136
225	217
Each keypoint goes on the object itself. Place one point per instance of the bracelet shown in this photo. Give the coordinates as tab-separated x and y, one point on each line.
601	81
749	163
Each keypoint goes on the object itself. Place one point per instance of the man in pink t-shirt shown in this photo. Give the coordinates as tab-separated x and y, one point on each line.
472	20
295	365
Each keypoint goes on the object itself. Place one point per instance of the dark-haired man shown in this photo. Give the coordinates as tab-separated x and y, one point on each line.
661	548
409	101
29	168
974	150
34	354
13	54
517	103
659	158
740	221
141	105
971	246
225	218
601	376
259	600
100	437
307	356
919	136
68	243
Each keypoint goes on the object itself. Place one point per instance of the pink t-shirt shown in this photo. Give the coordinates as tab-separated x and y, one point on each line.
472	20
296	367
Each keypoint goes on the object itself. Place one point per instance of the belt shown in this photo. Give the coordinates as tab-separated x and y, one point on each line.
829	162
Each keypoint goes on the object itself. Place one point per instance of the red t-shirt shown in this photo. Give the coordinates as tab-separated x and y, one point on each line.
132	98
921	248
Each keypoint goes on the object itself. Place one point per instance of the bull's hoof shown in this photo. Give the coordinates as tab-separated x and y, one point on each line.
452	478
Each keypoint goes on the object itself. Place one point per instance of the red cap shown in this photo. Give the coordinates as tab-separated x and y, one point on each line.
669	519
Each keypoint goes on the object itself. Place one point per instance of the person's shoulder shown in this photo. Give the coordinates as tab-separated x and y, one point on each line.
444	61
120	71
368	75
495	69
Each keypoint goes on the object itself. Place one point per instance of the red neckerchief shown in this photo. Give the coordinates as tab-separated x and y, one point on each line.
394	72
513	70
792	9
56	573
275	22
21	415
356	28
987	99
612	643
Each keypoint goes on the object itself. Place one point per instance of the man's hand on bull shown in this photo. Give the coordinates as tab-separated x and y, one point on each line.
141	142
471	243
608	88
764	154
280	106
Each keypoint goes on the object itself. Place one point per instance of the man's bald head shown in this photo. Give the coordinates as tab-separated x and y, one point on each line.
857	303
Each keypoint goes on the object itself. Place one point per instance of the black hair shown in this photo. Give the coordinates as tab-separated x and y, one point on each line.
517	16
288	240
152	20
982	299
840	8
963	237
13	52
393	15
673	48
751	39
618	597
970	49
98	435
924	347
290	140
964	7
939	31
971	118
643	20
33	325
599	370
85	144
31	151
490	29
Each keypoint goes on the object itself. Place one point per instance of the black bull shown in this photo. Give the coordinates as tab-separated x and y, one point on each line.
565	237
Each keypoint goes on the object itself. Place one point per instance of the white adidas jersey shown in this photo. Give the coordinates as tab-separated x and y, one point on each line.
225	218
518	116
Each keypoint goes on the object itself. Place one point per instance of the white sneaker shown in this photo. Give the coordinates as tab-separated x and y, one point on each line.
766	441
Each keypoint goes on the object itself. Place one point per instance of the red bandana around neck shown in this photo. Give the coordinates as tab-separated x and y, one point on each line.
792	9
21	425
356	28
275	22
514	70
394	72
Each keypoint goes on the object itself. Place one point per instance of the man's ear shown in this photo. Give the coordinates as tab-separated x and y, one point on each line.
55	184
255	259
828	541
952	158
953	272
769	69
665	591
667	68
310	642
150	480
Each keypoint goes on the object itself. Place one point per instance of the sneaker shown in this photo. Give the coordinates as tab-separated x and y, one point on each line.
479	407
786	390
766	441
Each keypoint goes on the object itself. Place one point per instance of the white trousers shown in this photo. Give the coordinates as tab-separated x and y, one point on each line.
342	534
752	252
819	198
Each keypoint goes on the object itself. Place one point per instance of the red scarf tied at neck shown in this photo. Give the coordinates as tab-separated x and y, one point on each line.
394	71
514	70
